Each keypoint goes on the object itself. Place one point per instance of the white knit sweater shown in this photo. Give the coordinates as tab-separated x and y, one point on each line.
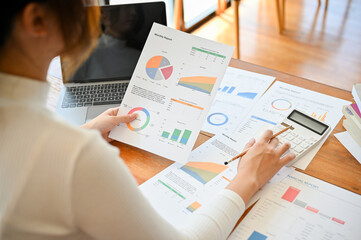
58	181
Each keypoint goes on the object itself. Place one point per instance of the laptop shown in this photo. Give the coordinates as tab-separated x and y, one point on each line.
101	81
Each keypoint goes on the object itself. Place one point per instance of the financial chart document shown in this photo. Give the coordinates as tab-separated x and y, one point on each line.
237	94
171	90
272	108
180	190
279	100
303	207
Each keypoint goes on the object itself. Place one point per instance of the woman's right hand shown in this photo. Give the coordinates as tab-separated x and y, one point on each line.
262	161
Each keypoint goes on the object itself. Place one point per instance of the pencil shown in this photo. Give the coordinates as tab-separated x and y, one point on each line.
245	151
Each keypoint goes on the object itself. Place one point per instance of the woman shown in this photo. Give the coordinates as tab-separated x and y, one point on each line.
58	181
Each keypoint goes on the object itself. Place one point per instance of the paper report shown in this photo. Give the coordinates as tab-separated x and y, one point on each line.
238	93
272	108
171	90
303	207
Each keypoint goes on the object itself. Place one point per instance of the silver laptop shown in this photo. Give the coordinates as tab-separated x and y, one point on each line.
100	83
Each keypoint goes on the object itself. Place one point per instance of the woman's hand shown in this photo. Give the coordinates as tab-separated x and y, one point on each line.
262	161
107	121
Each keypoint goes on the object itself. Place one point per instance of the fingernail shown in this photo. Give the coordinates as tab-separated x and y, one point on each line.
252	140
134	115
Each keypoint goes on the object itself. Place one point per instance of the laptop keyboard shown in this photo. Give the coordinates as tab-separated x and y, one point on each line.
94	95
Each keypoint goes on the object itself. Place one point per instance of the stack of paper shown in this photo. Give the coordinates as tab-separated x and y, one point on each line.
351	139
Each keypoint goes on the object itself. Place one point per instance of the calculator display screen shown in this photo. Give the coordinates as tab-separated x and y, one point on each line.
308	122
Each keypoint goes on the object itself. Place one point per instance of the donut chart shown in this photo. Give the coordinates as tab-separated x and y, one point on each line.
217	119
159	68
141	121
281	104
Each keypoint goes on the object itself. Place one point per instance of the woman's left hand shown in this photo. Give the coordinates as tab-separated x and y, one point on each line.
106	121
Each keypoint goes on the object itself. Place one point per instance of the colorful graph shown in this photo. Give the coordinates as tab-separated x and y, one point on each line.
227	89
291	194
143	119
159	68
281	104
321	117
198	83
176	134
217	119
249	95
194	206
203	171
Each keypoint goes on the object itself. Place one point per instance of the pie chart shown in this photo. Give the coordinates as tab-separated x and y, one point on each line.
159	68
141	121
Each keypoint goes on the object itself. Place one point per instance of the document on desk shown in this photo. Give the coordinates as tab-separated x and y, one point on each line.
172	89
279	101
271	109
236	96
303	207
179	191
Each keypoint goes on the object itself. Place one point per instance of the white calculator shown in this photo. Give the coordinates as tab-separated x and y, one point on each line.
304	134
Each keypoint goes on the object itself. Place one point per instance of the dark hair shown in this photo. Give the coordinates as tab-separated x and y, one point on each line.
79	25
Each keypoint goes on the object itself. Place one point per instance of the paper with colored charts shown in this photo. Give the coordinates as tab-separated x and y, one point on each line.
302	207
272	108
172	88
279	101
179	191
236	96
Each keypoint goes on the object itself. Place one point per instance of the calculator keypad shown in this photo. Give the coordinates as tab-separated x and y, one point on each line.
299	144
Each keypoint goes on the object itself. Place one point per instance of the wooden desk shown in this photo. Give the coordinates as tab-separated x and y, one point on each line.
333	163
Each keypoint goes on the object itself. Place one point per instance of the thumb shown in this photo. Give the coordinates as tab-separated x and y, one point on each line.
125	118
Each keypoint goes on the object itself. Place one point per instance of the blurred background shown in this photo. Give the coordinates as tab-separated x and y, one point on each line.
315	39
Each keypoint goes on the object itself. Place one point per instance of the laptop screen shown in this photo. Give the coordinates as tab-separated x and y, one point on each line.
125	30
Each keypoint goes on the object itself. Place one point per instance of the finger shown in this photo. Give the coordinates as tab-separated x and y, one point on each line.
282	149
251	142
111	112
125	118
115	111
266	136
274	142
288	158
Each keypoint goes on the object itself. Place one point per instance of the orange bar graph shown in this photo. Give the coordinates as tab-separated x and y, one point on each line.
322	118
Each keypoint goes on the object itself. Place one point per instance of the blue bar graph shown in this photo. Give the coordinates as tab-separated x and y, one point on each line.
231	90
185	137
257	236
175	135
225	89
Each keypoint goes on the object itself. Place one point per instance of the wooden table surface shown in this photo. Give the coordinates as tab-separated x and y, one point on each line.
333	163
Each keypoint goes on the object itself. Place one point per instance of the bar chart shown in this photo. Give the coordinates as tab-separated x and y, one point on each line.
175	135
291	196
321	117
227	89
302	207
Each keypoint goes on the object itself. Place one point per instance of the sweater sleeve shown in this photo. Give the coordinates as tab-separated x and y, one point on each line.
107	204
